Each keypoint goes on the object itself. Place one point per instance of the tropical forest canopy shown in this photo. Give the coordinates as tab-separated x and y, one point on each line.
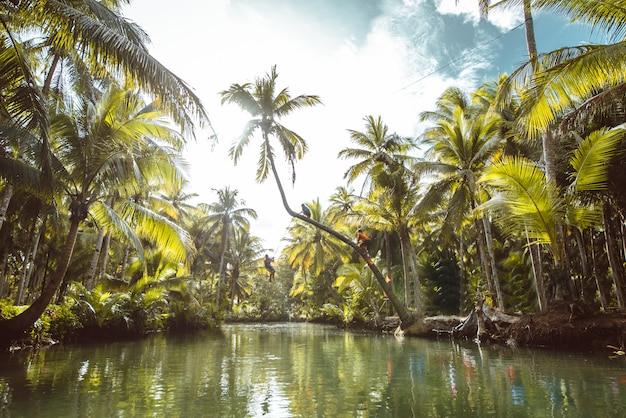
513	193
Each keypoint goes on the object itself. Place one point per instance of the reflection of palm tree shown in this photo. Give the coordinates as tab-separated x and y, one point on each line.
225	215
267	105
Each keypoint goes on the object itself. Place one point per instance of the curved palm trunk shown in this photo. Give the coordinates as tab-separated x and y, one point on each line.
15	327
403	313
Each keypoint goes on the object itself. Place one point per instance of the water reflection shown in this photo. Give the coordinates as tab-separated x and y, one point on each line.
304	370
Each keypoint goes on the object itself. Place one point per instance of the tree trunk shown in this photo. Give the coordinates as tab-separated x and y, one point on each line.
600	277
406	319
462	271
405	272
540	287
221	277
586	295
492	262
23	284
7	194
529	27
124	262
105	257
484	260
616	259
90	280
15	327
417	295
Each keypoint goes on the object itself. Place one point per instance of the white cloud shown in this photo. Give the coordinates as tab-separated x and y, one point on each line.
503	18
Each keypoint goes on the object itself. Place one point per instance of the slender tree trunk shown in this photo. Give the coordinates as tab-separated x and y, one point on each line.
124	262
462	270
105	257
7	194
492	262
405	316
616	259
221	277
15	327
405	271
417	295
540	287
603	292
4	285
27	266
529	27
95	257
586	296
484	259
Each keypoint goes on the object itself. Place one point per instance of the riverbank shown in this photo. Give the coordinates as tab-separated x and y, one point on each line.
558	328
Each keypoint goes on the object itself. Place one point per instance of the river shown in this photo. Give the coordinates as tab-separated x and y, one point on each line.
307	370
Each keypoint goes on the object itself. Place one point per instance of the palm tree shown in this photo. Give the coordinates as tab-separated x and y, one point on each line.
463	142
307	249
99	153
243	255
524	199
391	208
225	215
267	106
378	149
96	43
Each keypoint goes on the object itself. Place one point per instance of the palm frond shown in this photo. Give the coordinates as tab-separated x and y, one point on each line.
592	157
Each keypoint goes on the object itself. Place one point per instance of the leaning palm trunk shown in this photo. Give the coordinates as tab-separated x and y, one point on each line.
15	327
405	316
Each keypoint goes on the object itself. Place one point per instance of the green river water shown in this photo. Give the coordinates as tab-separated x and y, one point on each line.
307	370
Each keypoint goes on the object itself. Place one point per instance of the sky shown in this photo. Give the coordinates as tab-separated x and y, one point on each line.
388	58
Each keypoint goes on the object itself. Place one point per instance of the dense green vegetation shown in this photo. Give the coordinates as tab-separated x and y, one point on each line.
513	192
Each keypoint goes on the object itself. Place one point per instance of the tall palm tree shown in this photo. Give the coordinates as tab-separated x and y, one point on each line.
267	106
80	41
377	149
244	253
391	208
97	37
462	143
226	215
98	150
